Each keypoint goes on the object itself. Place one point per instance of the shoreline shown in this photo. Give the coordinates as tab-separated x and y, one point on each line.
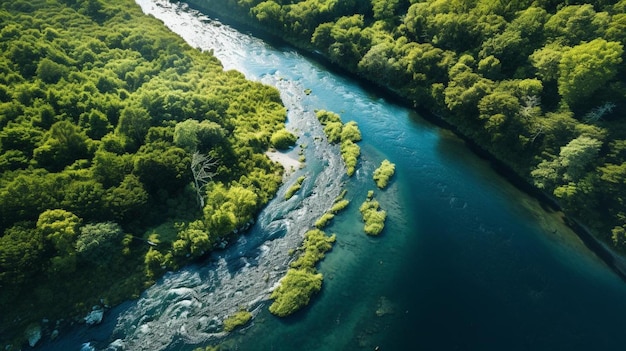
289	164
614	260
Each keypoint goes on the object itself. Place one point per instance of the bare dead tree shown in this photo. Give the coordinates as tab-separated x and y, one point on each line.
202	167
530	102
597	113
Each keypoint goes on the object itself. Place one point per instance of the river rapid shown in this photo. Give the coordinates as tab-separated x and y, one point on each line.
466	260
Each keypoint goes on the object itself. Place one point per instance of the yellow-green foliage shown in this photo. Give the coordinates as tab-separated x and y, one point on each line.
295	291
208	348
326	117
350	153
348	134
315	245
283	139
302	280
339	206
350	131
294	188
324	220
373	216
383	173
238	319
333	131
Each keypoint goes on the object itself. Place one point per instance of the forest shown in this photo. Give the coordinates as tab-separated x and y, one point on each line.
537	84
124	152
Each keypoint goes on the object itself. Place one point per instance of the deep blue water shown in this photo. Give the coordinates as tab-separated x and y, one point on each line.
466	261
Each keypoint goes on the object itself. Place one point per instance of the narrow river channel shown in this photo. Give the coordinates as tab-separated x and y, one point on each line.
466	260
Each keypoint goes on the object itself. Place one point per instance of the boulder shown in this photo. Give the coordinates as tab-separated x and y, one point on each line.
33	334
95	316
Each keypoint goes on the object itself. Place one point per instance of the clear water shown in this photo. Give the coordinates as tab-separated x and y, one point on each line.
466	261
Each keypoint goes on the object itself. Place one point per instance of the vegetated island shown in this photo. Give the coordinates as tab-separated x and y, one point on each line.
373	216
383	174
344	134
124	153
538	85
302	280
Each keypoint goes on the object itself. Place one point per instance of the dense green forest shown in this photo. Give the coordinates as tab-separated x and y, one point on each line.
123	153
538	84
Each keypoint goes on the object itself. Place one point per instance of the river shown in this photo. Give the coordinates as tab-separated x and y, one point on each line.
466	260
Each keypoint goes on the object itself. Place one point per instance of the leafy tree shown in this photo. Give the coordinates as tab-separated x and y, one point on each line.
133	125
50	71
547	59
186	135
161	166
576	23
97	242
63	144
128	200
60	227
21	252
570	165
587	67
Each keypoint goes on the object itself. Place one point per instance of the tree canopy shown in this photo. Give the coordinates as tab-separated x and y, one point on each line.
101	112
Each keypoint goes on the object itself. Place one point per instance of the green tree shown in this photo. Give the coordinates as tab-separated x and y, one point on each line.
133	125
99	242
60	227
63	144
50	71
547	59
576	23
186	135
587	67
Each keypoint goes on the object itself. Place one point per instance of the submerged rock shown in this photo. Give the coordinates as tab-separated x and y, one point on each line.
33	334
384	307
95	316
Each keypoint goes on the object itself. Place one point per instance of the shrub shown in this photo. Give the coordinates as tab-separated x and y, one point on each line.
324	220
295	291
294	188
373	216
383	173
283	139
350	153
237	320
339	206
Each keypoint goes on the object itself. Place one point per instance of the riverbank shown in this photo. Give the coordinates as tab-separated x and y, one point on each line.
616	261
289	164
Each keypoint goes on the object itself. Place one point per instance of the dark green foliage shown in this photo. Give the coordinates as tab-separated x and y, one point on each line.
101	109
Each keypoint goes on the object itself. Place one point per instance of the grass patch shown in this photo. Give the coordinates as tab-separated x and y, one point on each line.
294	188
238	319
